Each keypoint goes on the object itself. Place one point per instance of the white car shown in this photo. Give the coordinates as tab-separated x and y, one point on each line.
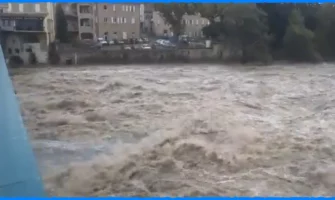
111	42
146	46
127	48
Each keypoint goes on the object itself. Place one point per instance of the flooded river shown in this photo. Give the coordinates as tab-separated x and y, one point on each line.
182	130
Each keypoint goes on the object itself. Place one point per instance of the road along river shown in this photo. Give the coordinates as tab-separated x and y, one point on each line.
182	130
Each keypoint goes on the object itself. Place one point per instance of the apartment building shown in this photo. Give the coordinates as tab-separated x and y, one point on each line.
86	13
160	27
71	14
110	21
193	25
27	27
118	21
147	19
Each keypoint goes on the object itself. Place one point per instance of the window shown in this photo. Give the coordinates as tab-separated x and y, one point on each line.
114	7
5	22
105	7
133	20
124	20
133	8
118	20
86	36
203	21
9	9
84	9
9	51
21	7
127	9
38	7
112	20
17	51
85	22
122	7
197	22
105	19
106	36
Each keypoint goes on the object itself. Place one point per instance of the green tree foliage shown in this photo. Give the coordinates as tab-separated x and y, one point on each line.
298	40
299	32
61	25
325	31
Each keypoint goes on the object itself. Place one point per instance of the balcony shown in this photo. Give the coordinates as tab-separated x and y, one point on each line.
22	25
21	22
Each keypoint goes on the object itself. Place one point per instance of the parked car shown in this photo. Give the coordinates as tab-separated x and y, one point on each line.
146	46
127	47
145	39
103	43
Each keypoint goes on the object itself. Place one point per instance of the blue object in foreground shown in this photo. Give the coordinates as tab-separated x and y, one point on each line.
19	175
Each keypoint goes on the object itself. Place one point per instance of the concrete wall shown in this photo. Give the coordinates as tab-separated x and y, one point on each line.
16	46
144	56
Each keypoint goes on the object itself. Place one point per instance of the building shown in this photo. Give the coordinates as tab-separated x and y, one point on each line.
118	21
109	21
71	14
147	20
160	27
27	28
86	13
193	25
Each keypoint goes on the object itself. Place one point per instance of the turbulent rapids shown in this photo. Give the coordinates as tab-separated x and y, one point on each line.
187	130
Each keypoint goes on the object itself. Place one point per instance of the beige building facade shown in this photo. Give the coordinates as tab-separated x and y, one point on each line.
110	21
43	10
86	13
27	28
193	25
118	21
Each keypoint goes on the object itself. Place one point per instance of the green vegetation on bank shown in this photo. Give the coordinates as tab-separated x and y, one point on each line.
266	31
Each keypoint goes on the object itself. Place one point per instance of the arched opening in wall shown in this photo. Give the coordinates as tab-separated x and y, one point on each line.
86	36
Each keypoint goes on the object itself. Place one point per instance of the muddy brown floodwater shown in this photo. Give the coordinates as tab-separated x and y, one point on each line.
182	130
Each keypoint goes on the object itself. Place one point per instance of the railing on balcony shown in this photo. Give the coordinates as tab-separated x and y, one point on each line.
22	25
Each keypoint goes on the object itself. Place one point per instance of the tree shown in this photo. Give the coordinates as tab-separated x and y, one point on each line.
325	31
245	26
61	24
210	11
298	40
173	13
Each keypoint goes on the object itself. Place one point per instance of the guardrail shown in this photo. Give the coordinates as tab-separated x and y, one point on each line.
19	175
